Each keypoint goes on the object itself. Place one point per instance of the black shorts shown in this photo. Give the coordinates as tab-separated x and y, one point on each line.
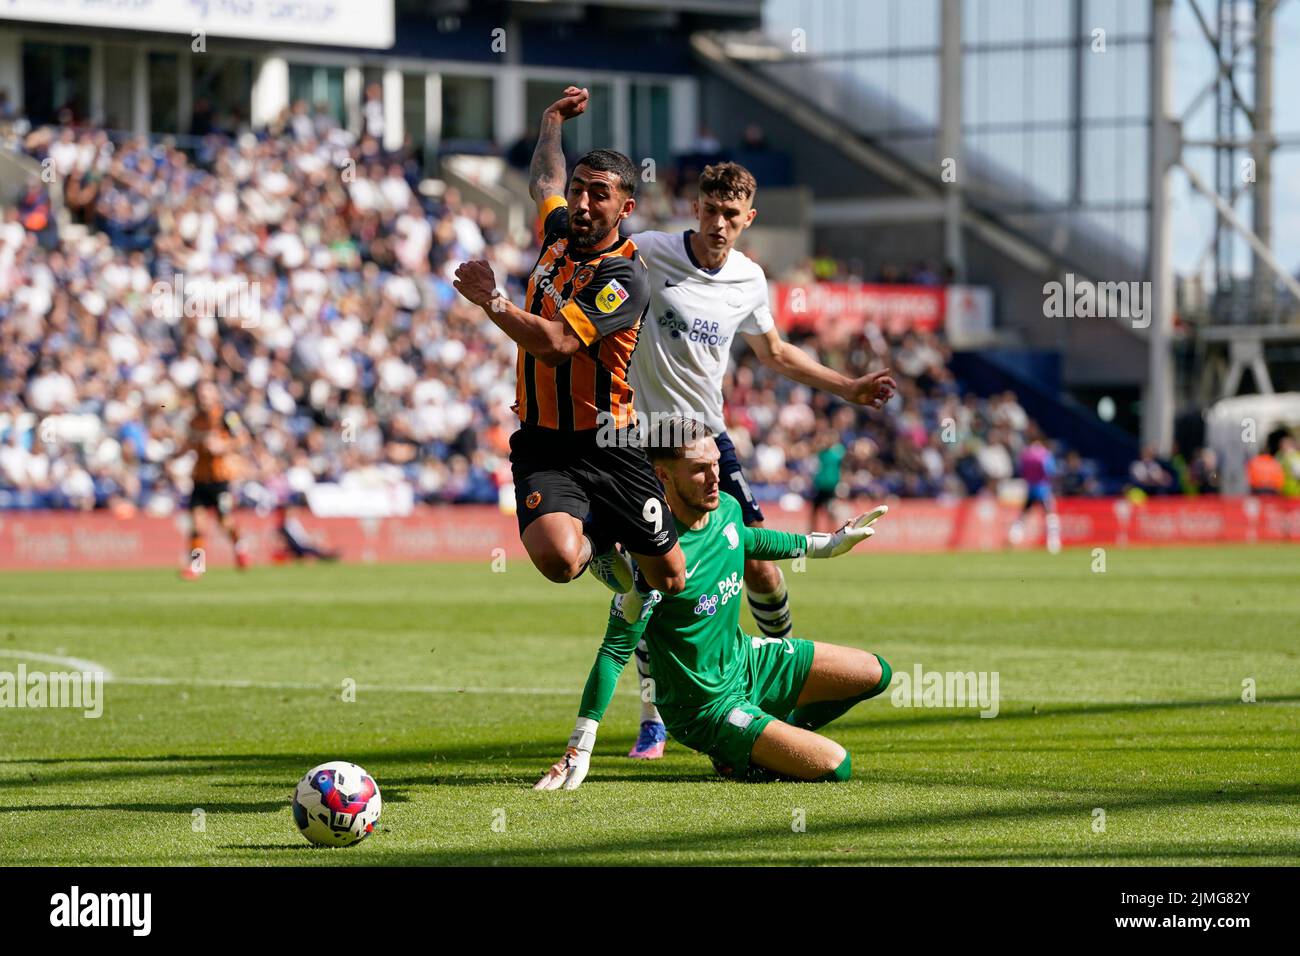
732	479
211	494
822	498
571	472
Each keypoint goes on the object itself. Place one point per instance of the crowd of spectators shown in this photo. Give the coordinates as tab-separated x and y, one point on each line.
1273	469
346	352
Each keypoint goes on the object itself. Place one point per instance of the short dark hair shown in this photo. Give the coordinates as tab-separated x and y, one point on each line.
728	181
669	435
611	161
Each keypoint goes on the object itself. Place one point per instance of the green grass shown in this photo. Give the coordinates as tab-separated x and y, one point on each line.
1120	691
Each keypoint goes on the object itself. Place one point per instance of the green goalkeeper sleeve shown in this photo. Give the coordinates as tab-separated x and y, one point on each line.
764	544
621	639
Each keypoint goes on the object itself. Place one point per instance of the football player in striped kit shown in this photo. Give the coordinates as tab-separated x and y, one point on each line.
703	293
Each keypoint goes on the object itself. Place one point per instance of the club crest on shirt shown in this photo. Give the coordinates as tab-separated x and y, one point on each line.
533	500
582	278
732	536
611	297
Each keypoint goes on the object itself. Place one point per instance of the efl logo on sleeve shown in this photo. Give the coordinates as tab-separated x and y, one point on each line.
611	297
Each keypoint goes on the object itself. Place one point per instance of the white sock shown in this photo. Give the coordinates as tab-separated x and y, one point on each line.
584	734
1017	534
648	709
772	610
1053	533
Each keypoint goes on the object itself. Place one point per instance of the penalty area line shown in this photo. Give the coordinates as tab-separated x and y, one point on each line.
72	663
333	688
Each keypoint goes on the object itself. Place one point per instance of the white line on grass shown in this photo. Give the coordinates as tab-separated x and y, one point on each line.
74	663
80	664
571	691
333	688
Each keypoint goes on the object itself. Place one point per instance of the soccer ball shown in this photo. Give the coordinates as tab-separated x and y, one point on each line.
336	804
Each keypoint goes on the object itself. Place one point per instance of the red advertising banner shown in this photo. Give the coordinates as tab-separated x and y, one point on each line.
848	306
63	540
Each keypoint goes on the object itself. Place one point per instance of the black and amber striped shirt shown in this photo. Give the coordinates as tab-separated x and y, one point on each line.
603	297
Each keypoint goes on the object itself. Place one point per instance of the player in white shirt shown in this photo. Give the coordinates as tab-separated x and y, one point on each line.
703	293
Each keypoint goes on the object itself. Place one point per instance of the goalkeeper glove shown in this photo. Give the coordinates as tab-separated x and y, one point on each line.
571	769
831	545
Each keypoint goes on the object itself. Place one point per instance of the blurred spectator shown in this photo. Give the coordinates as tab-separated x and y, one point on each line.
1150	475
1264	475
351	358
1203	472
1287	454
372	112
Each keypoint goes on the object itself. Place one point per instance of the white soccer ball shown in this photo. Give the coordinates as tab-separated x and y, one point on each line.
336	804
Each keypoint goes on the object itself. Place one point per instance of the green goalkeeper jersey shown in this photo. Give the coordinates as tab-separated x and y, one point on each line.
697	649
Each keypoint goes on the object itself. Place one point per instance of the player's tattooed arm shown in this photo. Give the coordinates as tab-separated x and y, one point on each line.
547	173
550	341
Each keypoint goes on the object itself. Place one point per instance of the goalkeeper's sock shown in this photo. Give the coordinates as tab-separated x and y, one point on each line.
756	774
648	709
584	734
840	773
771	610
813	716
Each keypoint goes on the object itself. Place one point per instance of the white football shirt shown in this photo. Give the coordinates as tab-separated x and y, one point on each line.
695	315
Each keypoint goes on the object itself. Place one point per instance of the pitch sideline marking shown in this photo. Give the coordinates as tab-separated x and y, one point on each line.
82	664
299	685
544	691
74	663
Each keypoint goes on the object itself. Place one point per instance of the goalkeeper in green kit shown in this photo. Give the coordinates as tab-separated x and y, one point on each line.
751	704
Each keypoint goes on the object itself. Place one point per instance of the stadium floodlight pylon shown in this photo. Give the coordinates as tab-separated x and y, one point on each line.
1242	315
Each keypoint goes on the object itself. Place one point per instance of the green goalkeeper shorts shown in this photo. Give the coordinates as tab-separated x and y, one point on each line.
725	729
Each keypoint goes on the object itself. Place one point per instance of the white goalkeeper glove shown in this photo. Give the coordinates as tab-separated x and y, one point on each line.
571	769
568	773
831	545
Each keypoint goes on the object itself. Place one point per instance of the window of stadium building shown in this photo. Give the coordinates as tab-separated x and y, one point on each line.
164	104
648	105
56	77
222	90
467	112
414	117
119	64
321	87
597	130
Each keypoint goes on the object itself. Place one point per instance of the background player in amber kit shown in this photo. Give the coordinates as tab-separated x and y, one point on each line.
582	482
213	437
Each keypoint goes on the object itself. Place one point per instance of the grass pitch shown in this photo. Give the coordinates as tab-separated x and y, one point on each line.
1122	736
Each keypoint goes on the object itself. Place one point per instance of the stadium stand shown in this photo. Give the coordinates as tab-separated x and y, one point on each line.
359	364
